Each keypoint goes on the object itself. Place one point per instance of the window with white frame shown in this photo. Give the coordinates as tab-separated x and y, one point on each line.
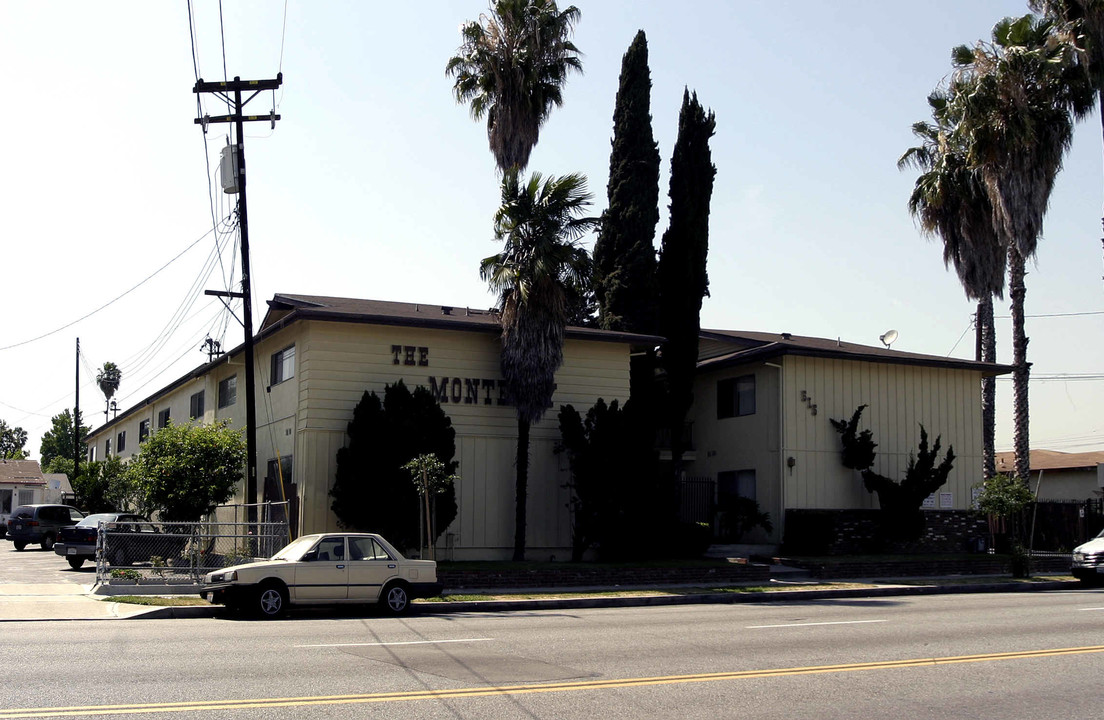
195	406
227	391
283	365
736	397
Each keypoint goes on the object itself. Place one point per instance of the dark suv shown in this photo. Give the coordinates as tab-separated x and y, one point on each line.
40	524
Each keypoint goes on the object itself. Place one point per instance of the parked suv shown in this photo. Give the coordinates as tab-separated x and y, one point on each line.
40	524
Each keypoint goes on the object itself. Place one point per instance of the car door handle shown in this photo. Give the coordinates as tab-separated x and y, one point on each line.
340	567
392	567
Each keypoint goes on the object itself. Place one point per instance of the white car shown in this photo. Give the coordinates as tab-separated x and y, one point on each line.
1088	561
326	568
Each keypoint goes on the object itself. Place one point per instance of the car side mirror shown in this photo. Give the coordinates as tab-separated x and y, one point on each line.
311	556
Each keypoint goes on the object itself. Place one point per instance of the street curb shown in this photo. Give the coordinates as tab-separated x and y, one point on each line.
442	608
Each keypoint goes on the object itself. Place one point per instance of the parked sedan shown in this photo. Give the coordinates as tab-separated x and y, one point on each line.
132	539
326	568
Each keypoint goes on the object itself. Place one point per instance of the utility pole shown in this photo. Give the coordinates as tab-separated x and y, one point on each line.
76	421
231	93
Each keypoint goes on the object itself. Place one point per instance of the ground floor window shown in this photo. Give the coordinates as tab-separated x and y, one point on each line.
735	483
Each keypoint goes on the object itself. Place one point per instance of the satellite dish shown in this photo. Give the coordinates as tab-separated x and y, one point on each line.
888	338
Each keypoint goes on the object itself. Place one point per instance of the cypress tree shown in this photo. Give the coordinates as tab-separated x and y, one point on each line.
683	282
624	255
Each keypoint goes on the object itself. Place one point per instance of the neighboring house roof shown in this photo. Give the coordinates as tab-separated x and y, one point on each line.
58	481
21	472
1052	460
285	308
753	346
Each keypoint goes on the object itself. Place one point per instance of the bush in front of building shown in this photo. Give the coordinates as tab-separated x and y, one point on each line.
616	495
372	491
184	471
900	502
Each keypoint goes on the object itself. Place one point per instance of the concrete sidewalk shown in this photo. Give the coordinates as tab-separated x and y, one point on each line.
59	601
46	602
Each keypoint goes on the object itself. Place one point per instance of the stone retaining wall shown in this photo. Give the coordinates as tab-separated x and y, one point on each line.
858	532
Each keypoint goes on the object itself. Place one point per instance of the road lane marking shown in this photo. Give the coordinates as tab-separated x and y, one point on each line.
810	624
390	644
1084	609
477	692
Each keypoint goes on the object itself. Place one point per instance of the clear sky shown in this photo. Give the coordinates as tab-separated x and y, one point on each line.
375	184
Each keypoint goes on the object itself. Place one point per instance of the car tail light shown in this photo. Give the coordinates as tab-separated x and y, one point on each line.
32	523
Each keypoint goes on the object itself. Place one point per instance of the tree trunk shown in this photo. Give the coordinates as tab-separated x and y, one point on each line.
521	489
1020	367
988	388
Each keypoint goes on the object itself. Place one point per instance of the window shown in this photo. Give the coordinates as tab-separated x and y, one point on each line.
143	431
107	448
120	441
195	406
366	548
736	397
735	483
163	418
283	365
91	453
228	391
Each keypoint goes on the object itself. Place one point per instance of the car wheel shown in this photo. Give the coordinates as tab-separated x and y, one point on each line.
271	601
75	562
19	544
48	542
396	599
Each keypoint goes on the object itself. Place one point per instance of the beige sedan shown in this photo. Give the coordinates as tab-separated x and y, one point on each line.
326	568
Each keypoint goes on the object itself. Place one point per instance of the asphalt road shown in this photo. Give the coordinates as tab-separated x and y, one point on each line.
1003	655
35	565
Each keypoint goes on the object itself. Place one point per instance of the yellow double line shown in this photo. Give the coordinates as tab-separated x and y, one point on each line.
199	706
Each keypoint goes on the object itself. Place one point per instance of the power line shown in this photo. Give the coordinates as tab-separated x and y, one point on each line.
1053	315
968	328
109	302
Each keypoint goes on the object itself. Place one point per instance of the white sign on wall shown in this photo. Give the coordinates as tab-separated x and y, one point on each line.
946	500
929	501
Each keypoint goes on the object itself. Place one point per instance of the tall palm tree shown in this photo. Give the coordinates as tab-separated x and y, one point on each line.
541	262
108	379
950	202
1083	22
511	69
1017	121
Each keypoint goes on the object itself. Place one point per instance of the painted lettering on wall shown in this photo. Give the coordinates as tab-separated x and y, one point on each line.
468	391
409	355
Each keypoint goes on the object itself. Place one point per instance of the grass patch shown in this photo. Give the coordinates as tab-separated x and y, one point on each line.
673	592
157	600
510	566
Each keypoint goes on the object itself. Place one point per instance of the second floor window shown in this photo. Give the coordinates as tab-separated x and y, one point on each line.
195	406
143	431
283	365
736	397
228	391
120	442
107	448
163	418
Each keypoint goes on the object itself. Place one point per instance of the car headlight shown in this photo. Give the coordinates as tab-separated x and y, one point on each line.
225	577
1079	557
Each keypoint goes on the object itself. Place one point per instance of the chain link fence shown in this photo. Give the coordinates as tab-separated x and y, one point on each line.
175	553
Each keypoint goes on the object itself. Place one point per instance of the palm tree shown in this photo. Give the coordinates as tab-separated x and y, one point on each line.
541	224
108	379
1017	122
511	68
1083	22
950	202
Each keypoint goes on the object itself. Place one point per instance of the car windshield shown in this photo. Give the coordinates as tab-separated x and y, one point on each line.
94	520
296	549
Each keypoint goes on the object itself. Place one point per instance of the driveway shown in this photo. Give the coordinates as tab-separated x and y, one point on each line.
35	565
